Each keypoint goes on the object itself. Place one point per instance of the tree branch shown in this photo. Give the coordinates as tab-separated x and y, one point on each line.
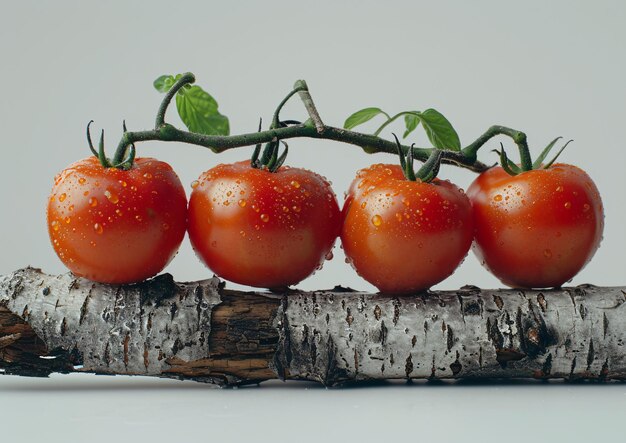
204	332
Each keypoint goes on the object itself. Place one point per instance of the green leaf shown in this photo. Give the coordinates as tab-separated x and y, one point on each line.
439	130
411	121
198	111
362	116
164	83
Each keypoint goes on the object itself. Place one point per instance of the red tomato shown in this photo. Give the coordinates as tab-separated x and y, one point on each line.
259	228
537	229
116	226
404	236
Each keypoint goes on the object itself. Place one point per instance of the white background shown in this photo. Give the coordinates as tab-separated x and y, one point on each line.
548	69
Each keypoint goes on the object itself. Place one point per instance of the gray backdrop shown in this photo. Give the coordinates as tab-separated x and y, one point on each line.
546	68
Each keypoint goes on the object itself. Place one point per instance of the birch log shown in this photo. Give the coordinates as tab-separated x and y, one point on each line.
205	332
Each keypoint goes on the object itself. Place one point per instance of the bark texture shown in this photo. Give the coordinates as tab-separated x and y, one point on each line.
202	331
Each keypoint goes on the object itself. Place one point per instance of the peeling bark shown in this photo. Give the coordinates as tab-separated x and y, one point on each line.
204	332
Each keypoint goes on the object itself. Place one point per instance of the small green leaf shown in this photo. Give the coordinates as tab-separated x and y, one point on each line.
439	130
198	111
362	116
544	153
164	83
411	121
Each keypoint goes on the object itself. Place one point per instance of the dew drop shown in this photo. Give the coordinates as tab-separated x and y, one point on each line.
398	216
68	220
405	202
559	189
265	218
194	184
165	226
55	225
547	253
214	244
255	208
497	198
420	245
257	227
138	218
229	193
586	207
242	233
296	208
363	205
226	203
295	184
118	212
147	175
113	198
278	189
242	202
568	205
285	209
98	228
82	181
62	197
70	208
133	188
377	220
329	256
93	202
123	183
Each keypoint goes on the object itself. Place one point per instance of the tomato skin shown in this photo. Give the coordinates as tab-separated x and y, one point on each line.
537	229
404	236
262	229
115	226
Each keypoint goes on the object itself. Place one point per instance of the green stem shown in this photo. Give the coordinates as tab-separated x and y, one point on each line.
276	118
392	119
471	150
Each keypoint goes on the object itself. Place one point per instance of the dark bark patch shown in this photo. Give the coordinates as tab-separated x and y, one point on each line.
377	312
126	343
349	317
450	338
408	366
498	301
504	356
456	366
383	333
46	291
413	341
396	310
605	324
83	308
582	310
541	299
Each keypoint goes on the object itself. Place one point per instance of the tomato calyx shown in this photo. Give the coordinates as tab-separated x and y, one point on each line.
429	170
270	159
127	159
526	161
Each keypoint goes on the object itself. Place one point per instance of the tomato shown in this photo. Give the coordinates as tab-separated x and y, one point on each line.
537	229
117	226
404	236
261	228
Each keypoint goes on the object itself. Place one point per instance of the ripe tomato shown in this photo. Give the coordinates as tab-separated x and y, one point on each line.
259	228
116	226
537	229
404	236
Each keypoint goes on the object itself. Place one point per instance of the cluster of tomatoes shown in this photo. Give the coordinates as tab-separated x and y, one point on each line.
273	229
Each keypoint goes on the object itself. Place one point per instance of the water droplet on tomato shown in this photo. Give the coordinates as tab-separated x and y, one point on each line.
497	198
165	226
363	205
226	203
229	193
68	220
405	202
278	189
559	189
242	233
586	207
93	202
214	244
138	218
55	225
70	208
147	175
98	228
377	220
398	216
255	208
296	208
329	255
265	218
123	183
285	209
86	193
194	184
112	197
568	205
420	245
257	227
82	181
547	253
295	184
242	202
133	188
118	212
62	197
